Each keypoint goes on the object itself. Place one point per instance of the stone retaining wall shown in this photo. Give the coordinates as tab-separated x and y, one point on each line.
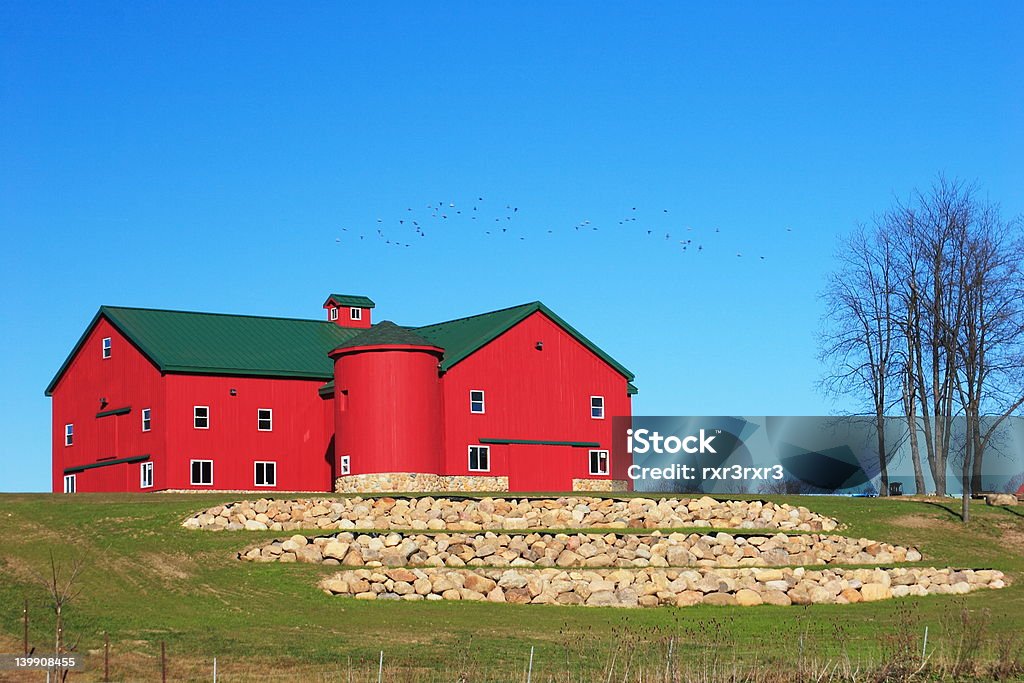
578	550
607	485
414	482
652	587
571	512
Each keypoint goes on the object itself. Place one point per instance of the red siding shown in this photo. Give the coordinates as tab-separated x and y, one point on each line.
345	316
541	395
389	410
299	442
126	379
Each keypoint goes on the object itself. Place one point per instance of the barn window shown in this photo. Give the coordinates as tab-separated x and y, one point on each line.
106	347
69	483
147	421
597	407
599	462
266	474
265	420
69	434
202	472
356	313
334	313
345	465
479	458
201	417
145	475
476	401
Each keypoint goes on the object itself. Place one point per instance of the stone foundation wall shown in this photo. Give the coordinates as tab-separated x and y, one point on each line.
568	512
600	485
653	587
413	482
579	550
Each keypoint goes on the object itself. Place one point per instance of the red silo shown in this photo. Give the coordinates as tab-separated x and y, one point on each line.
388	407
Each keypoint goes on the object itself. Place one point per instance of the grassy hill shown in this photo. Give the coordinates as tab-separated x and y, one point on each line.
148	580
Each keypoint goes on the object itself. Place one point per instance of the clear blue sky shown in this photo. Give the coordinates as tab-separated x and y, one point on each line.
207	158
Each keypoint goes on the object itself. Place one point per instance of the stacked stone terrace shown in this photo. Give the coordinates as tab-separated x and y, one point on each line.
437	514
586	551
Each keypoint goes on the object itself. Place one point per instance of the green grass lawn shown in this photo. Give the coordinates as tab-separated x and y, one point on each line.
149	580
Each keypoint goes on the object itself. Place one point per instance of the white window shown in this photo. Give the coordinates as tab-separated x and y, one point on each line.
476	401
355	313
106	347
265	420
147	421
266	474
69	434
479	458
201	417
599	462
597	407
202	472
145	475
334	313
69	483
345	465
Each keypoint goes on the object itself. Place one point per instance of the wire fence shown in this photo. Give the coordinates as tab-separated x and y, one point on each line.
964	647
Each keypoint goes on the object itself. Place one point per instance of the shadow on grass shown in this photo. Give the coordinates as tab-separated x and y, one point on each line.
1013	511
952	512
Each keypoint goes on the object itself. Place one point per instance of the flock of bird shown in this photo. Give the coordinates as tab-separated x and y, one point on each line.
481	218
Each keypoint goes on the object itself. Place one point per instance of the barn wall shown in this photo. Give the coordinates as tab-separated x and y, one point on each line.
389	408
126	379
532	394
299	443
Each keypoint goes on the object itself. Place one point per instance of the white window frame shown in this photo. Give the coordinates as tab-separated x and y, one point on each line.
355	313
147	419
260	419
69	434
73	481
593	407
332	313
195	417
482	401
146	475
590	462
256	469
191	471
107	348
484	450
345	465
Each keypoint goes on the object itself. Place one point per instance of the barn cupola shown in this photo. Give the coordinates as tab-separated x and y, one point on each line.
349	310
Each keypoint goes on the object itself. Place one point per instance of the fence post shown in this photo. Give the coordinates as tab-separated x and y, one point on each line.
380	667
106	657
214	670
924	648
25	619
163	661
529	672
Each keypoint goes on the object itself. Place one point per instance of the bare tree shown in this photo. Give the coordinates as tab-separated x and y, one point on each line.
859	341
928	307
61	590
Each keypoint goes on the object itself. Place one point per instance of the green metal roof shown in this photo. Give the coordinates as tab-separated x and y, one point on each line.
218	344
115	411
242	345
541	442
459	338
351	300
385	333
105	463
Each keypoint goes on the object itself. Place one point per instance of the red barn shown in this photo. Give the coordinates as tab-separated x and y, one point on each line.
514	399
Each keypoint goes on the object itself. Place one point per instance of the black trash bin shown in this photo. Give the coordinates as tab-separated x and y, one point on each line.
896	488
